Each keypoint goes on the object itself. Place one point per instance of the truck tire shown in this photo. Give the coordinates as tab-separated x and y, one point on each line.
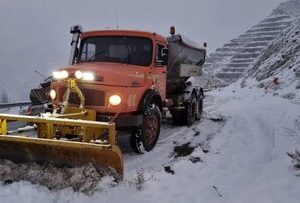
200	107
191	110
144	138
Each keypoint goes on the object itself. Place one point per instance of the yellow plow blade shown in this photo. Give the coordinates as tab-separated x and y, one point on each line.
95	143
20	149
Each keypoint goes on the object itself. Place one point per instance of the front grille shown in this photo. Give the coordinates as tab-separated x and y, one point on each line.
92	97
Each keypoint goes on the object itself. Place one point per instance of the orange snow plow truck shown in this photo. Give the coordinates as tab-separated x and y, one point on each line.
121	79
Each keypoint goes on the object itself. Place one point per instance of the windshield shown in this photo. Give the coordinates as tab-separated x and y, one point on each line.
116	49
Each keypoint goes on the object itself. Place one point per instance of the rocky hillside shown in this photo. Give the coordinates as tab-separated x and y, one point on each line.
278	66
229	62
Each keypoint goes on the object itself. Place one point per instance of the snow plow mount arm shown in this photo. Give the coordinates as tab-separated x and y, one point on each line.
72	88
47	126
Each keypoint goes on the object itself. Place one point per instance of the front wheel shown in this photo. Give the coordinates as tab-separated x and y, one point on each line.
144	138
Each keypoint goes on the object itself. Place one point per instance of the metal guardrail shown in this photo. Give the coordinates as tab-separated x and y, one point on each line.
14	104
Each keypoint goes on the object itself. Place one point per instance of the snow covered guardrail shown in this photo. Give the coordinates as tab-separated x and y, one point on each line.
14	104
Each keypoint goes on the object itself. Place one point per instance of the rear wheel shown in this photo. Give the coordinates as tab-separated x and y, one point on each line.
191	110
188	115
200	107
144	138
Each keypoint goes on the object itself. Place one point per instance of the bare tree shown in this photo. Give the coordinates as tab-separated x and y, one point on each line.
4	97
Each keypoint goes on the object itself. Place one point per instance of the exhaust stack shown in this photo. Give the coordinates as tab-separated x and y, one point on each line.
76	31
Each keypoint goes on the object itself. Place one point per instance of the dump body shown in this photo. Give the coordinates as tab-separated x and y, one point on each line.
185	60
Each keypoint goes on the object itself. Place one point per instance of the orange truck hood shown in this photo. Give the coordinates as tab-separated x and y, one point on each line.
111	74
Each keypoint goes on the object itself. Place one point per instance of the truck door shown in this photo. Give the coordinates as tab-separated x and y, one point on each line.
159	71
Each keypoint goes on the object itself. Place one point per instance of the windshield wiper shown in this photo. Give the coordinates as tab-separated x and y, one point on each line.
128	58
90	59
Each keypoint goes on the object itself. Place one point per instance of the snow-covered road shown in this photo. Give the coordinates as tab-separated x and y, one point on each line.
238	155
252	165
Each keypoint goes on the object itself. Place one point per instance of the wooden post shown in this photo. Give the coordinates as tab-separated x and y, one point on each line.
84	130
3	127
50	130
112	134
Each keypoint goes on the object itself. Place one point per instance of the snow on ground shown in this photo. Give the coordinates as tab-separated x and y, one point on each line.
83	179
237	153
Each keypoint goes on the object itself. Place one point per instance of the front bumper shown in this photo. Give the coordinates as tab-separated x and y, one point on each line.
122	120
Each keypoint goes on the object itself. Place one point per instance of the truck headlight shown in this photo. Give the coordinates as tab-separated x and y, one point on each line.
53	94
88	76
115	100
60	75
78	74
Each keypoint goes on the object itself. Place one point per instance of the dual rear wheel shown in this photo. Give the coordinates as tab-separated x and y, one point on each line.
192	111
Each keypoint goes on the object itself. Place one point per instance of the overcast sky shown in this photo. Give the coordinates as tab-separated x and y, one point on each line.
214	21
35	33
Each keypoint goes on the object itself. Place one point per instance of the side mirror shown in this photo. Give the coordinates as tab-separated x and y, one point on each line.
164	52
76	29
164	55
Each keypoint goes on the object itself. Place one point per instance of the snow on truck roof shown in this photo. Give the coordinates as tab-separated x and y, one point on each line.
186	41
152	35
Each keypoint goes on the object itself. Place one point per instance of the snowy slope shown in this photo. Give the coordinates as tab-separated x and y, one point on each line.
230	61
280	61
